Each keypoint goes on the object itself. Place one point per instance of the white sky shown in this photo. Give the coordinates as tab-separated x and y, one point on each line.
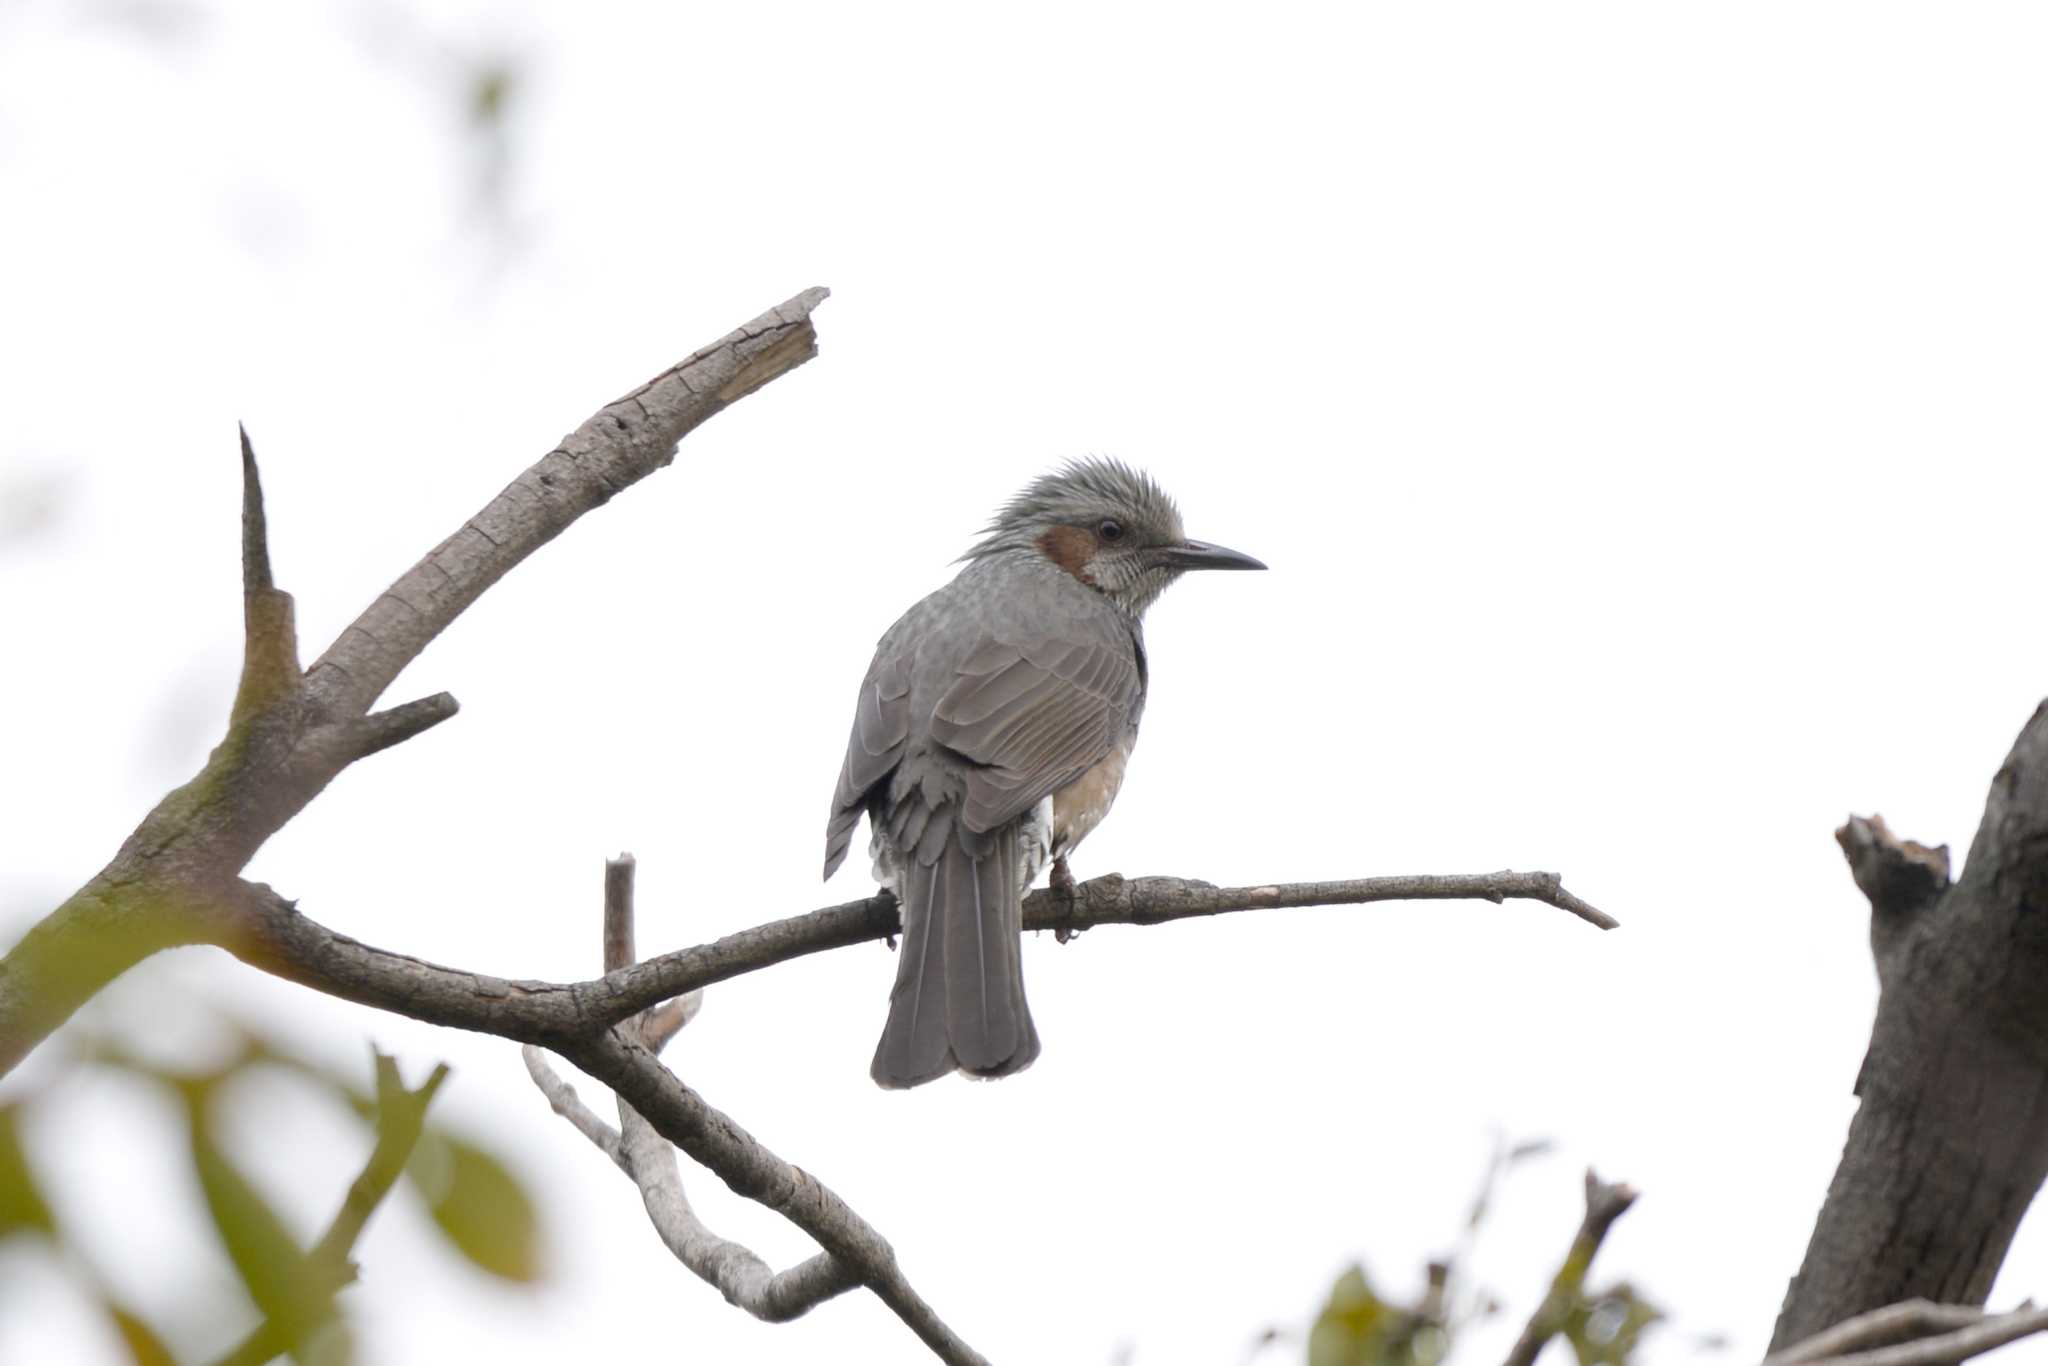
1639	407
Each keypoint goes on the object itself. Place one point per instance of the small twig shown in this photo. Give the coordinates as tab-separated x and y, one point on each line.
564	1101
380	730
270	642
647	1157
1944	1333
661	1024
1604	1204
618	914
401	1114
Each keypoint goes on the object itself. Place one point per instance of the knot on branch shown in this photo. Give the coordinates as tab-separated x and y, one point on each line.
1901	877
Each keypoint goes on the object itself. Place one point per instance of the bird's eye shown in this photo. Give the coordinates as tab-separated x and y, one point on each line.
1110	530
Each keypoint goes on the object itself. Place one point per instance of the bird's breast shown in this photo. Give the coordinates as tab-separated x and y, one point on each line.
1080	806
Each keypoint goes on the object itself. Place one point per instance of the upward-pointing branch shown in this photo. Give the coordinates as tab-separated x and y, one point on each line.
621	444
289	734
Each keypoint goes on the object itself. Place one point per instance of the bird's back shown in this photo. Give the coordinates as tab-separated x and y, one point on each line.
982	701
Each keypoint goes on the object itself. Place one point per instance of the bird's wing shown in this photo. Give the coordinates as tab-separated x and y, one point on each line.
1033	712
881	723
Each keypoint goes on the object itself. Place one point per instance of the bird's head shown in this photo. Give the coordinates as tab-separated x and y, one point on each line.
1109	526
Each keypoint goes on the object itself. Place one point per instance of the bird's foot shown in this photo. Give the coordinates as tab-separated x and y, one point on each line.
1062	881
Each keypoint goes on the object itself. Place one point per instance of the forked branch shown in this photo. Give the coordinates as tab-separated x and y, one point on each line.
734	1270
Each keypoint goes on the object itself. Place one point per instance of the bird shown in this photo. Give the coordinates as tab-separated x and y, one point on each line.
990	737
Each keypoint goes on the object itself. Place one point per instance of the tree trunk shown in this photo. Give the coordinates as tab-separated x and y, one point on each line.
1951	1140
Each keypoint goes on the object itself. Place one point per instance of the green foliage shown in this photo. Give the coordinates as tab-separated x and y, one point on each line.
288	1289
145	1348
472	1196
475	1200
21	1202
1603	1328
1359	1328
480	1205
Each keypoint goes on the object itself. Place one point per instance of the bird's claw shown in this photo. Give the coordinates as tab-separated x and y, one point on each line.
1062	882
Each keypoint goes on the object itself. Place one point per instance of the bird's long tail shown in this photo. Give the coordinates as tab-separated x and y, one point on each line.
959	995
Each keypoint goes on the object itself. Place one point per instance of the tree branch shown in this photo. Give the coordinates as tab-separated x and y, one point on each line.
289	734
736	1271
1950	1142
1604	1204
621	444
1953	1333
268	932
1939	1333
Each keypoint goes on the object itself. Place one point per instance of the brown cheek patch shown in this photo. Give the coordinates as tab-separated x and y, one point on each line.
1071	549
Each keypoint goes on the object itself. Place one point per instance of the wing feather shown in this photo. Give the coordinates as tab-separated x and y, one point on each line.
1032	715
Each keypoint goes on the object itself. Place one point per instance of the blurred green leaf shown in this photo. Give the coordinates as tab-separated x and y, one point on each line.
479	1205
1604	1329
1358	1328
473	1197
491	88
21	1203
144	1346
292	1294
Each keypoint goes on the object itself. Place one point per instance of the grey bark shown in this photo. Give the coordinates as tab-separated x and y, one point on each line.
289	734
1950	1142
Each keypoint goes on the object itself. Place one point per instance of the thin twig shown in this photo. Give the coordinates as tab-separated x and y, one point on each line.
564	1101
1604	1204
735	1271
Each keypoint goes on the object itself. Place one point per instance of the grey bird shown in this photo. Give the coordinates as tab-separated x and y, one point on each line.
991	736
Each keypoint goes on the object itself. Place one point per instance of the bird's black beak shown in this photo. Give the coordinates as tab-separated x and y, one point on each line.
1202	555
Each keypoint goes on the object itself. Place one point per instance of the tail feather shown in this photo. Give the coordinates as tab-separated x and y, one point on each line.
959	994
914	1048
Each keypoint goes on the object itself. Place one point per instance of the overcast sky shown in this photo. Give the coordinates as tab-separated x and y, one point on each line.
1639	407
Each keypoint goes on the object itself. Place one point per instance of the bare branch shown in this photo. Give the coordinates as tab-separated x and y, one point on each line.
661	1024
564	1101
1957	1334
289	734
621	444
380	730
618	914
736	1271
1940	1331
740	1160
401	1114
270	642
255	530
1604	1204
268	932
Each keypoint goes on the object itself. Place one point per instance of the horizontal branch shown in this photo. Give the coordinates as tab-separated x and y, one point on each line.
268	932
